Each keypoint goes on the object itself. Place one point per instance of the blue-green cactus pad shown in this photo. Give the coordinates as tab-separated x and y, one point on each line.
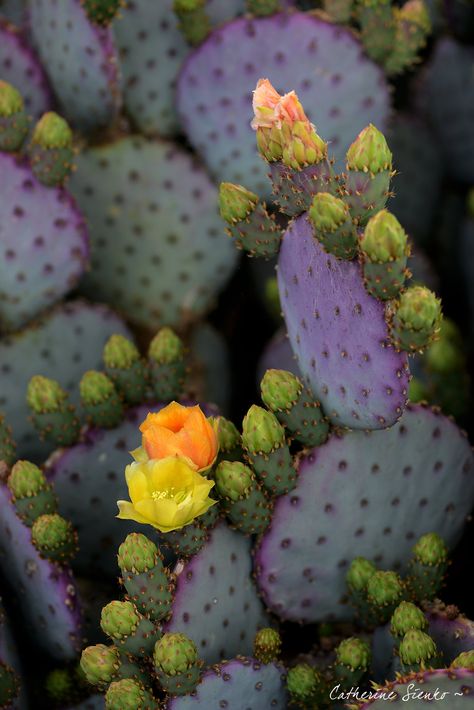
216	603
62	345
448	98
152	50
95	702
239	684
20	67
44	244
159	253
417	183
9	654
80	61
89	480
340	88
369	494
209	372
46	593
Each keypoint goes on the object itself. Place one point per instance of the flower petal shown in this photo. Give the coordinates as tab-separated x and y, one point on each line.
128	512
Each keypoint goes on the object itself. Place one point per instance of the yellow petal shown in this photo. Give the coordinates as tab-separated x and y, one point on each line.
161	512
139	454
137	482
128	512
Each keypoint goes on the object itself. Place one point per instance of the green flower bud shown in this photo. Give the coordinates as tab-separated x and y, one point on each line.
407	617
45	395
416	12
416	647
11	101
430	550
280	389
384	239
120	352
100	664
354	653
464	660
95	387
188	5
261	431
119	619
419	309
227	433
125	694
26	480
302	682
236	202
137	554
52	131
369	152
166	347
384	588
267	645
52	534
360	571
102	12
234	480
262	8
327	213
59	685
175	654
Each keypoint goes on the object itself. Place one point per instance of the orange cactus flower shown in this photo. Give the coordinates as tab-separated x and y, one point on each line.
180	431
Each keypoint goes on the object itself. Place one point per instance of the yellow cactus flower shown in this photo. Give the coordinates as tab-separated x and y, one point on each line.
181	431
166	493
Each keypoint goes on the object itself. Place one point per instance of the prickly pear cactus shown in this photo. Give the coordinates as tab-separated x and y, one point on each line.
62	345
156	247
21	68
44	240
340	87
81	65
406	480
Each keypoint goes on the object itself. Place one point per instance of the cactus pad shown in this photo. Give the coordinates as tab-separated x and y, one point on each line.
342	91
216	604
158	252
44	241
20	67
236	684
152	50
453	686
448	97
339	334
81	65
46	593
381	490
63	345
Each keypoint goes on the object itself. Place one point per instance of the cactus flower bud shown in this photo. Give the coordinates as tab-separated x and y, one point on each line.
302	682
353	653
126	369
228	435
360	571
137	554
119	619
261	431
102	12
384	238
327	212
280	389
384	588
54	537
26	480
52	131
267	645
14	122
59	685
416	319
431	550
464	660
129	694
193	20
416	648
100	664
407	617
120	352
53	416
234	480
175	653
51	150
236	203
369	152
45	395
100	399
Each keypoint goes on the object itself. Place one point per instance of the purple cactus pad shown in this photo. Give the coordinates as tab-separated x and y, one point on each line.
44	243
237	684
45	592
339	334
341	89
215	602
369	494
21	68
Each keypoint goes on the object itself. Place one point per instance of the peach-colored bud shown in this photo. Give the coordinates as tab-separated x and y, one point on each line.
265	99
289	109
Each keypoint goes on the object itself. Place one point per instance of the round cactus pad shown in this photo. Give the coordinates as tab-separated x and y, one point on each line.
237	684
216	603
81	64
44	244
159	252
46	593
20	67
369	494
63	345
339	334
341	89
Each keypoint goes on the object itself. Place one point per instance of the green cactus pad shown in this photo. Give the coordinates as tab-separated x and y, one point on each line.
157	251
7	445
177	664
125	368
333	225
14	121
385	251
100	400
242	498
131	632
50	150
427	567
32	495
167	365
53	417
